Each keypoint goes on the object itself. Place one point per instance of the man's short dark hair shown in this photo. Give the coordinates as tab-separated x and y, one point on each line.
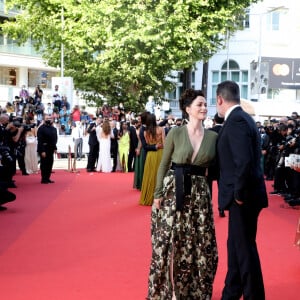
230	91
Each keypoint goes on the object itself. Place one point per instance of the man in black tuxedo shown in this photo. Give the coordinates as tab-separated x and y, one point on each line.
93	145
218	124
133	144
242	192
47	140
114	146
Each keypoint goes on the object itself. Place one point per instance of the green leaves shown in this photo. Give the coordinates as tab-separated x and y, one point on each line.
125	49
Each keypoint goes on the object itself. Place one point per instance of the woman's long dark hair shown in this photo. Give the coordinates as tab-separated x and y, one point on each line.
121	131
151	125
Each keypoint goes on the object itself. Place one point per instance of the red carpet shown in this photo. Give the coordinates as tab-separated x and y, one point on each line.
85	237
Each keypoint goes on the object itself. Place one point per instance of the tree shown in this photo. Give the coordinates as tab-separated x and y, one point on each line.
124	50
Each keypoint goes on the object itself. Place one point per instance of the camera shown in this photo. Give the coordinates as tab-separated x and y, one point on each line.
27	127
5	155
92	125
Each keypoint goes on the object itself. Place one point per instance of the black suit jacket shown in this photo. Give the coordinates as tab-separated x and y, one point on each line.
239	155
92	135
133	138
114	140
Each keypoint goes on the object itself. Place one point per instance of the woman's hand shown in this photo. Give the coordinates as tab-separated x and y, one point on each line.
157	202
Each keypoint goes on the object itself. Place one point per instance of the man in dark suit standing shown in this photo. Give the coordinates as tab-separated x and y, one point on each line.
217	126
47	140
133	144
114	146
93	145
242	192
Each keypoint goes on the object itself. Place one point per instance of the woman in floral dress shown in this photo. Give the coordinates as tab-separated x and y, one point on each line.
184	251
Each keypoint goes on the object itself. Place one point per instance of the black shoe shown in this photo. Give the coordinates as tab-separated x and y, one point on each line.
2	208
11	185
25	174
294	202
90	170
288	197
221	213
6	196
50	181
44	181
275	192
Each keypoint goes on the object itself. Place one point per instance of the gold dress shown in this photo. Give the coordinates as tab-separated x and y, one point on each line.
152	162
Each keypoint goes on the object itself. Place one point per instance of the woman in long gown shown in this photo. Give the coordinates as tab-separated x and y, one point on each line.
31	155
154	135
124	145
104	137
138	163
184	251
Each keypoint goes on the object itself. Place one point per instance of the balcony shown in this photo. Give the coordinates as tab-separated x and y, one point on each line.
26	49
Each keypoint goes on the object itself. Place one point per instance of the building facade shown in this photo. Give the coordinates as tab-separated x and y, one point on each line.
270	33
21	65
271	28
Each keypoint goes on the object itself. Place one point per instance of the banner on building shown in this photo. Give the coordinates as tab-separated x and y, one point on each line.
284	73
274	73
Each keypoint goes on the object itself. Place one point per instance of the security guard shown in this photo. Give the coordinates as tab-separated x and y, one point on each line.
47	140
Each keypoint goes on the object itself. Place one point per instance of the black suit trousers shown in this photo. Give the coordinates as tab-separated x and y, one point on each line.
46	164
93	156
244	275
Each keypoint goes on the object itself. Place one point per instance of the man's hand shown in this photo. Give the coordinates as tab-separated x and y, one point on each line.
238	202
157	203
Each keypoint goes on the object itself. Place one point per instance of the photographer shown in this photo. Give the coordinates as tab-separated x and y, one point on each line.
9	135
293	177
20	144
281	147
6	163
47	139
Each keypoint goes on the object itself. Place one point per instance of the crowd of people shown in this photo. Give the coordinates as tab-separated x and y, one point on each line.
280	142
174	162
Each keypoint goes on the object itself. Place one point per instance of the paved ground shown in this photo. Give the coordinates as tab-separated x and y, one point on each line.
63	163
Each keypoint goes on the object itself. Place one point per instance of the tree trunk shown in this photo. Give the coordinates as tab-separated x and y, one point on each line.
204	78
187	78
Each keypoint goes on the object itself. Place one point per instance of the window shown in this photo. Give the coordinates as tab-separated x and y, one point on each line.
273	20
177	92
8	76
42	78
214	92
244	20
215	77
234	73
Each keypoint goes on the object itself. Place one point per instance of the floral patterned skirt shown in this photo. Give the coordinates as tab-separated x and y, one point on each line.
189	237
